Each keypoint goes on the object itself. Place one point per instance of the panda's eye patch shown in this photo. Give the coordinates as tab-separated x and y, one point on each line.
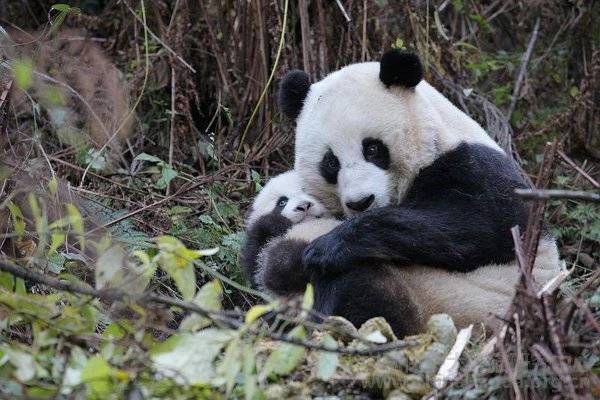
329	167
376	152
281	202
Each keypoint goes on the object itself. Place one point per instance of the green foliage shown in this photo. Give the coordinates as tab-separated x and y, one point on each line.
63	10
212	229
286	356
23	70
327	361
167	173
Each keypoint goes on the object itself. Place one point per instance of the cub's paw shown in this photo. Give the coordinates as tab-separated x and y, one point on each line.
280	269
325	256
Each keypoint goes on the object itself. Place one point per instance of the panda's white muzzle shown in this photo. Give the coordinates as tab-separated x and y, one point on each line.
362	186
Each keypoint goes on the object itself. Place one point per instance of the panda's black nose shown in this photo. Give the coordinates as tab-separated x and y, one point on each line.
362	204
304	206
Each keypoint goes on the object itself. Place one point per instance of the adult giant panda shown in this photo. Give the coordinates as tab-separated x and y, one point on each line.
424	187
284	219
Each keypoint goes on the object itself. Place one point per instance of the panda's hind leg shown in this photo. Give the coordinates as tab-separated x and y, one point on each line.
369	292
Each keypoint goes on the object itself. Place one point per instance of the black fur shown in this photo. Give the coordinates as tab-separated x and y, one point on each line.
283	273
264	229
329	167
376	152
292	91
457	215
400	68
358	295
364	293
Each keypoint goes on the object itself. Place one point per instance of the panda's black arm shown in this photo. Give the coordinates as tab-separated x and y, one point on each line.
459	240
258	234
457	215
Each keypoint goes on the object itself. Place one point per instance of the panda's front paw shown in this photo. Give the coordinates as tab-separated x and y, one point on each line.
324	256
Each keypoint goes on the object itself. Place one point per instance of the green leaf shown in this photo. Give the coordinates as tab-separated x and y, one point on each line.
257	311
309	298
190	361
56	262
231	364
63	11
286	357
61	7
209	297
109	267
147	157
328	361
97	374
7	281
255	176
23	70
97	160
177	261
18	220
167	175
57	239
22	361
250	383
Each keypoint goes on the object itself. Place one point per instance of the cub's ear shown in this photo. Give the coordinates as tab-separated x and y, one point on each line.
292	91
400	68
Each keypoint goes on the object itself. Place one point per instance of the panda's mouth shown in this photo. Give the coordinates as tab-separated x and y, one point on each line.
310	217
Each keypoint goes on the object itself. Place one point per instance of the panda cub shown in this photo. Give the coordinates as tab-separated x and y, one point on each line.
278	206
282	221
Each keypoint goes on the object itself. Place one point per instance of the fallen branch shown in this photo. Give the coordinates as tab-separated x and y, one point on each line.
449	368
557	194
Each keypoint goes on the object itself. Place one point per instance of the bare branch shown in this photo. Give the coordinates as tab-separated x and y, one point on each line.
218	317
533	194
523	69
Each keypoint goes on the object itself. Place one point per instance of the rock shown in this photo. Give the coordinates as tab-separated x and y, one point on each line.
442	328
433	358
397	394
414	384
371	326
340	328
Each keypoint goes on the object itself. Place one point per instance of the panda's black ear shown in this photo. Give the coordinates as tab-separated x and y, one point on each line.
400	68
292	91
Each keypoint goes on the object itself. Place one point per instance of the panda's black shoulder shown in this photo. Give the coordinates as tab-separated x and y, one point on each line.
465	171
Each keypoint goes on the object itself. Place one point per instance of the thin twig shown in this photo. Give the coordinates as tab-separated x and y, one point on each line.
343	10
555	341
509	370
533	230
523	69
161	42
172	125
577	168
534	194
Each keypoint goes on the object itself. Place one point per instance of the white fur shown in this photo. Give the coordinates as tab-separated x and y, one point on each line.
289	185
352	104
